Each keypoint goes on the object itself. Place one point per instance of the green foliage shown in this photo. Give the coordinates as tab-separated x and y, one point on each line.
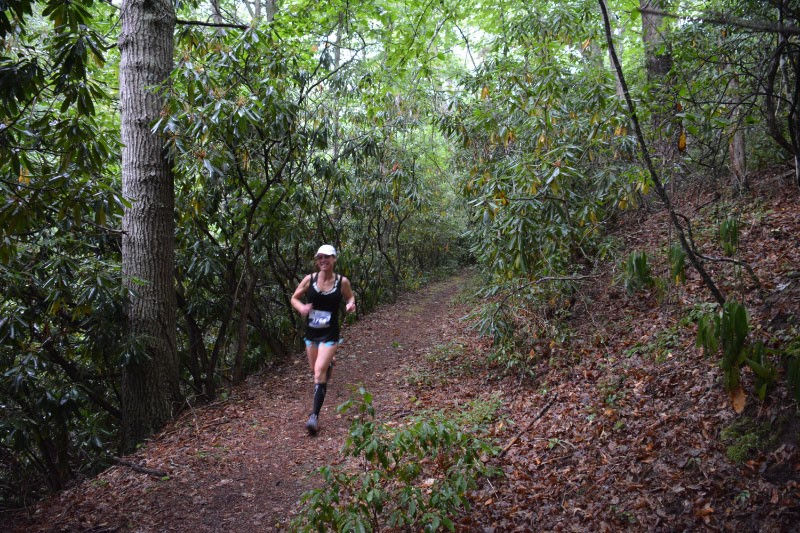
495	320
60	280
509	357
637	274
727	331
677	263
545	157
270	165
729	235
709	57
764	371
707	333
746	436
412	477
732	331
276	148
337	122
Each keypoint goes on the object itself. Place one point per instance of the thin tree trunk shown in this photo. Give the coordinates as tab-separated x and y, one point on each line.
150	381
736	148
244	316
659	186
792	91
617	82
197	358
216	11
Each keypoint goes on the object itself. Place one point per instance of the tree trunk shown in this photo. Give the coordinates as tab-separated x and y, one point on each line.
658	63
736	145
150	381
272	8
244	316
216	12
617	82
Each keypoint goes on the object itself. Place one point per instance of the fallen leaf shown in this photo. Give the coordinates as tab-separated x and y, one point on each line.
738	399
704	511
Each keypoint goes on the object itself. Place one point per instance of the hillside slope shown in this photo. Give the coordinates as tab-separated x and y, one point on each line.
642	435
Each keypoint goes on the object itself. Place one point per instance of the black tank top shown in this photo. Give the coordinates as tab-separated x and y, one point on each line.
322	324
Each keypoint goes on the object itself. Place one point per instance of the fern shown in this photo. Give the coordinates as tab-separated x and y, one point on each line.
637	272
729	236
677	263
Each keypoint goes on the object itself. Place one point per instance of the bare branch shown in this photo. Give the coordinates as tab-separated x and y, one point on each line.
211	24
760	26
539	415
141	469
713	259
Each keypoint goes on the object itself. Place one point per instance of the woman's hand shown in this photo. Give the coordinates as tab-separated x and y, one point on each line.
350	298
304	309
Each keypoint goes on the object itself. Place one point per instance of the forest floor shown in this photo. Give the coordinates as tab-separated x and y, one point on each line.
639	434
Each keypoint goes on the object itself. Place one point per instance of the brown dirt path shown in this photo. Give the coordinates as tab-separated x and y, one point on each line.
243	463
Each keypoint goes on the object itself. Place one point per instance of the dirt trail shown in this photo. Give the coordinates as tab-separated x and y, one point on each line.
243	463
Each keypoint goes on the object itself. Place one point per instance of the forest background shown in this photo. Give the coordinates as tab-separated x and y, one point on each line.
168	169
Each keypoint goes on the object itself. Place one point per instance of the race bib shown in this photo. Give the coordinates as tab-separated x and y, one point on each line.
319	319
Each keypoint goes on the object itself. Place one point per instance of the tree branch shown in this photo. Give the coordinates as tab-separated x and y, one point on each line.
141	469
726	20
719	259
539	415
211	24
662	193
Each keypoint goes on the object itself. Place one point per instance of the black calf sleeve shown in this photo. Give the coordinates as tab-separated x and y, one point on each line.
319	396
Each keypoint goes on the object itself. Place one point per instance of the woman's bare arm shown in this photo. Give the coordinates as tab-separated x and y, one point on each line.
299	292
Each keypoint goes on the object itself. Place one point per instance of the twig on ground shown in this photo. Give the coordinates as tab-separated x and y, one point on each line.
527	426
194	416
141	469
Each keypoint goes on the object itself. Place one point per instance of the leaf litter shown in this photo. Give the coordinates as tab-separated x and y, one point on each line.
634	439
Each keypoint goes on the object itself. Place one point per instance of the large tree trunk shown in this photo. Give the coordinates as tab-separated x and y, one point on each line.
150	384
658	63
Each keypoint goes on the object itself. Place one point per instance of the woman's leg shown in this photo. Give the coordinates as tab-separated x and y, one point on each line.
319	358
311	353
322	361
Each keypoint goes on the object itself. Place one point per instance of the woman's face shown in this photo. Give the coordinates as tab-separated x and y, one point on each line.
326	262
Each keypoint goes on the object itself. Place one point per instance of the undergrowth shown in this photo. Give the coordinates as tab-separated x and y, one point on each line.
745	437
410	477
446	361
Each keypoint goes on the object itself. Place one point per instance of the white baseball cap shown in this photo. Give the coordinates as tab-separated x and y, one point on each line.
326	249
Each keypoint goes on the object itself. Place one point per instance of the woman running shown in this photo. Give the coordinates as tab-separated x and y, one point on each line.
324	291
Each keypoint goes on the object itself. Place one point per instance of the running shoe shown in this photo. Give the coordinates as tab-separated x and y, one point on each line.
312	425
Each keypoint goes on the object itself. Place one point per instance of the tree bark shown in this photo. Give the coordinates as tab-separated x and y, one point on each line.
658	63
736	146
272	8
244	315
150	381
